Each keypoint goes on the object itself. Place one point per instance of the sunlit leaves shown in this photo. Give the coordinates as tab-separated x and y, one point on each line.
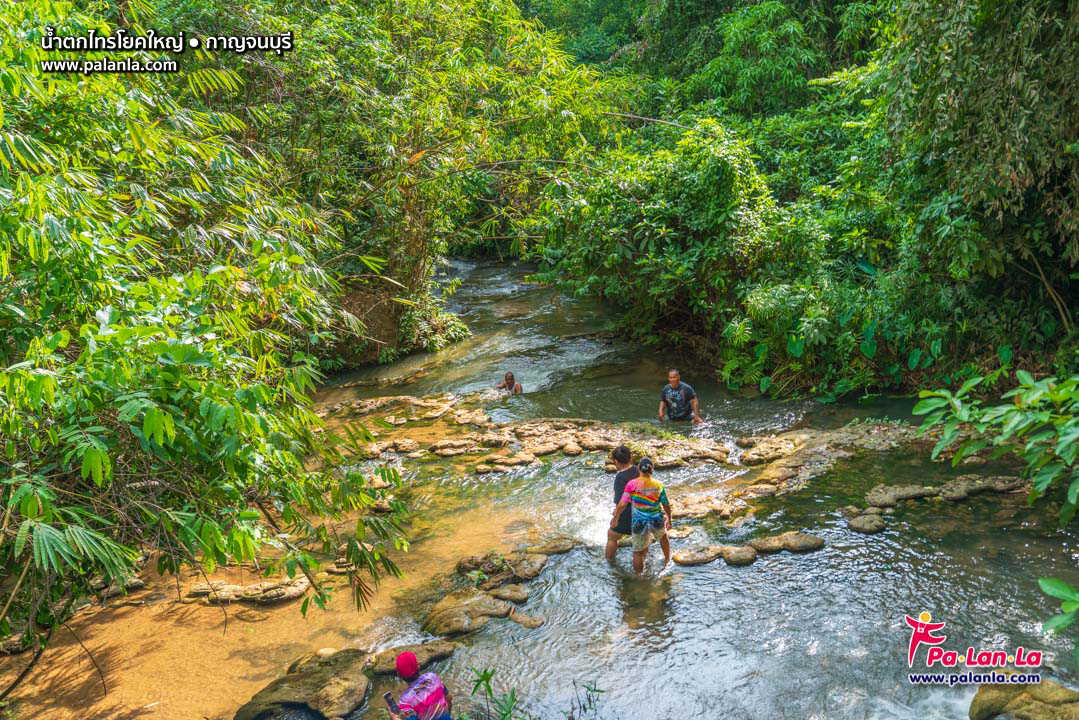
158	279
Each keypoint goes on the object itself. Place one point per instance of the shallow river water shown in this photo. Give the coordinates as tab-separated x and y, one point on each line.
792	636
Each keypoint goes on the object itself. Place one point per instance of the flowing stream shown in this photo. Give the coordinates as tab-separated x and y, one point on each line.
792	636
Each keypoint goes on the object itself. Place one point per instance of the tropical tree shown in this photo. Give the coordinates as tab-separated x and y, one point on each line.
157	293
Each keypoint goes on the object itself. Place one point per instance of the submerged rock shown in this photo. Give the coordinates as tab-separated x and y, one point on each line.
511	593
698	556
696	506
500	570
890	495
798	542
761	490
765	450
526	620
463	611
554	546
738	554
332	686
406	445
792	541
521	458
1044	701
263	593
867	524
964	486
544	449
471	417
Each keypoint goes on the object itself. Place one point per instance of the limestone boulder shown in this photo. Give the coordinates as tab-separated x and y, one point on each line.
406	445
264	593
493	570
542	449
964	486
697	556
511	593
868	524
330	685
1044	701
891	495
792	541
526	620
463	611
739	554
554	546
800	542
768	449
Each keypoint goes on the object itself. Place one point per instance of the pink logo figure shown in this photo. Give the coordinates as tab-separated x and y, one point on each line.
922	634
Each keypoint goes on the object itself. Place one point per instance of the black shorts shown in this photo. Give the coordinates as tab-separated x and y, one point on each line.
625	525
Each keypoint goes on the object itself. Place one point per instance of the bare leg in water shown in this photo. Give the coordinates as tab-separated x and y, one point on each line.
612	545
665	543
638	560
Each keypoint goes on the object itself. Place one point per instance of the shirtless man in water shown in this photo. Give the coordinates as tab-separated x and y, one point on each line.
510	384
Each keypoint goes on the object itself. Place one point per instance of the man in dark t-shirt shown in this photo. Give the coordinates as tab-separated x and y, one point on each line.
678	400
626	471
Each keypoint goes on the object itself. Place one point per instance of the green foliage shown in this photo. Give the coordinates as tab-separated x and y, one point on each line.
1039	425
887	259
980	97
505	705
764	63
156	284
1069	605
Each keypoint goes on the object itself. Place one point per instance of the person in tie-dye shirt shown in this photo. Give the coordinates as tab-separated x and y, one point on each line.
651	516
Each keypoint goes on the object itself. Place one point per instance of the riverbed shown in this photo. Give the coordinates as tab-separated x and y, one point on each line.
819	635
812	636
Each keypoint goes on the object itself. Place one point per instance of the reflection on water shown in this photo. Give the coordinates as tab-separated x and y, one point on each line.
646	609
792	636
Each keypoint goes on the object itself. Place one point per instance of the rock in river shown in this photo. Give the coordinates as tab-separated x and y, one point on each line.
764	450
526	620
463	611
890	495
699	556
792	541
512	593
554	546
263	593
501	569
544	449
868	523
331	686
739	554
1044	701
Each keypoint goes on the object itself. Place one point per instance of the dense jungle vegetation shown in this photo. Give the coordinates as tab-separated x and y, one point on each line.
817	197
